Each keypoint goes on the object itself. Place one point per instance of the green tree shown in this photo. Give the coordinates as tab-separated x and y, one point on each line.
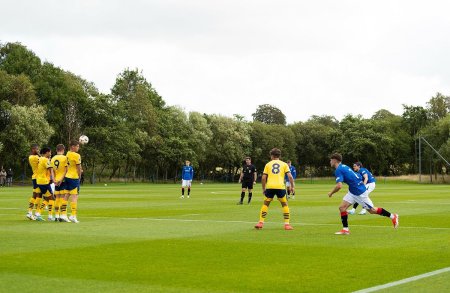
230	143
265	137
16	59
438	107
362	140
27	125
269	114
401	158
414	118
315	140
438	135
171	144
199	140
17	90
67	101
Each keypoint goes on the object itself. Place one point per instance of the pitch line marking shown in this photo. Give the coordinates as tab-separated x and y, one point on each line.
418	202
404	281
247	222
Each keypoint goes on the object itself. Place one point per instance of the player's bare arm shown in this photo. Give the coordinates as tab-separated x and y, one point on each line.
52	175
291	181
79	170
336	188
366	178
263	182
65	172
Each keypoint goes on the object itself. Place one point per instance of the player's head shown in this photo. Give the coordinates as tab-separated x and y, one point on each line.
248	160
335	159
188	163
46	152
289	162
74	145
60	148
35	149
357	166
275	153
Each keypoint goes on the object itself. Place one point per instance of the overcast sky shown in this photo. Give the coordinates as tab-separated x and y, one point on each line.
227	57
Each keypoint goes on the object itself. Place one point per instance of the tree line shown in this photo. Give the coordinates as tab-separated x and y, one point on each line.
134	134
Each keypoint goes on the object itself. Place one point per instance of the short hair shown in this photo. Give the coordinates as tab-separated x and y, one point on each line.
44	150
74	142
34	146
248	158
288	161
337	157
275	152
60	147
359	164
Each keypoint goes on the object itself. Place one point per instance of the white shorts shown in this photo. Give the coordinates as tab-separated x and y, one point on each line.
288	184
362	199
370	187
186	183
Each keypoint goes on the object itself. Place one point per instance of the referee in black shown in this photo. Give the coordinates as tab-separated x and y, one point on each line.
248	178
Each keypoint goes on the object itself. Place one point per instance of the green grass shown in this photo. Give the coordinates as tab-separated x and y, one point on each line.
145	238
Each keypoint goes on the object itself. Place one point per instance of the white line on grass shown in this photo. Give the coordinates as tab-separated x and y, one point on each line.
404	281
419	202
247	222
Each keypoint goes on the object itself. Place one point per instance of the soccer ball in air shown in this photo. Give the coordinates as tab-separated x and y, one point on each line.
83	139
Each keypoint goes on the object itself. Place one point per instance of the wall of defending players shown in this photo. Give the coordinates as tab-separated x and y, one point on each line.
56	182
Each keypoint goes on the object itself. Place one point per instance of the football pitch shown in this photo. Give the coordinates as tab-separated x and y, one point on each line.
144	238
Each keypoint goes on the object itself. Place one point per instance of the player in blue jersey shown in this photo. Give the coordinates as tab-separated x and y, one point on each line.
357	192
369	182
187	174
286	180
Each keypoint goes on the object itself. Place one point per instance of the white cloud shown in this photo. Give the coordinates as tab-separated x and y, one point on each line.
323	57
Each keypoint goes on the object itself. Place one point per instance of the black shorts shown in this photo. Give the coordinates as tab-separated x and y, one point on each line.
247	184
270	193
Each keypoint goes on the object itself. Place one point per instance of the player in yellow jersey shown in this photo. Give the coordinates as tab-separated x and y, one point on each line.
59	165
272	182
44	175
72	183
33	159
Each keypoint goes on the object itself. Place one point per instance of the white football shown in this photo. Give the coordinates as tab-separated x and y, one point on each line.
83	139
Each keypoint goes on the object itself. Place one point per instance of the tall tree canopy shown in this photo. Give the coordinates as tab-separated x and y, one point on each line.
269	114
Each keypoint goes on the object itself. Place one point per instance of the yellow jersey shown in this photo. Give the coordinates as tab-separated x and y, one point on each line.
34	161
59	164
73	159
275	171
43	172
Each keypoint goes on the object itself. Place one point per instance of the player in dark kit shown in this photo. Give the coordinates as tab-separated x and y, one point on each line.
248	178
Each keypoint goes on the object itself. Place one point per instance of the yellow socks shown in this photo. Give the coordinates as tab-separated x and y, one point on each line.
44	203
57	205
63	209
286	214
31	204
37	205
73	208
263	213
51	203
